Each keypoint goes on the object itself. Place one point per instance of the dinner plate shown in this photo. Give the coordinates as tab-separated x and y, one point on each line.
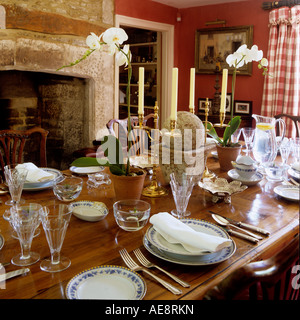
257	177
288	192
106	282
142	161
86	170
89	210
159	241
1	241
202	260
36	186
294	173
215	154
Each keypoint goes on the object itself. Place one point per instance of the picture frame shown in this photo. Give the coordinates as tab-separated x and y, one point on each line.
228	103
201	104
242	107
213	45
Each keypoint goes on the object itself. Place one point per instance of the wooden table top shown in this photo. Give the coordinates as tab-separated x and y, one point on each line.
90	244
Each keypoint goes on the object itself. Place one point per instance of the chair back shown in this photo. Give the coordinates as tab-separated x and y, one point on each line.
139	138
295	119
272	279
12	143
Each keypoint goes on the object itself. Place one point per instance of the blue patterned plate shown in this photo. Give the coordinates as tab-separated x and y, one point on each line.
175	248
36	186
106	282
202	260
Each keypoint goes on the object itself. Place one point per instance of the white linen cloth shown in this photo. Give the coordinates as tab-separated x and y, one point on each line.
35	174
175	231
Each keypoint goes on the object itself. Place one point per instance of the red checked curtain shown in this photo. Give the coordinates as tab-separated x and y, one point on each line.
282	88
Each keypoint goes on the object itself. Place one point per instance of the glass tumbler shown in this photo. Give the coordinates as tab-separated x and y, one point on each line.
55	220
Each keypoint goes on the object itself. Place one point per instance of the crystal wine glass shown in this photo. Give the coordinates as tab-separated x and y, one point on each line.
248	134
15	179
55	220
182	186
236	136
25	219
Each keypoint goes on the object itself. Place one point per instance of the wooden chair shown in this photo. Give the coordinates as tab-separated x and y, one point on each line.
295	119
12	143
272	279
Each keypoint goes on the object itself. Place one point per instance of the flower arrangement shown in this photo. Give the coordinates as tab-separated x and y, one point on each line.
111	41
242	56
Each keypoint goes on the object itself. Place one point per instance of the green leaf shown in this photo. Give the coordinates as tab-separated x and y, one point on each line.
117	169
233	126
212	132
85	162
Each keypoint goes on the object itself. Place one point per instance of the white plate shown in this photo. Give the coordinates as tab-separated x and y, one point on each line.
86	170
1	241
106	282
171	248
215	154
288	192
36	186
257	177
294	173
208	259
89	210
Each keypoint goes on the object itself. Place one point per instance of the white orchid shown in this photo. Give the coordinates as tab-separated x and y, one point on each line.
114	36
123	56
93	41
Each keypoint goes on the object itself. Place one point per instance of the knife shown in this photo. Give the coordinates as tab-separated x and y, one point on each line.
14	273
244	225
241	235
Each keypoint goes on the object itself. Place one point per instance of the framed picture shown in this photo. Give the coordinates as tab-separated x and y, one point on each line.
201	104
242	107
228	103
213	45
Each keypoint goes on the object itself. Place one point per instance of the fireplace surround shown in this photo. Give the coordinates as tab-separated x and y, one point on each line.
73	104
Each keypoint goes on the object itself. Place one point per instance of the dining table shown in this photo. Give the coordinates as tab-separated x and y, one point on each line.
90	244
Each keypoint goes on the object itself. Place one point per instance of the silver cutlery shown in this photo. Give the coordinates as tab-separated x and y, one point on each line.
244	225
224	222
241	235
14	273
146	263
135	267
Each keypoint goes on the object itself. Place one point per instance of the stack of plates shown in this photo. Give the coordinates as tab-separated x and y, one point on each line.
36	186
175	253
294	173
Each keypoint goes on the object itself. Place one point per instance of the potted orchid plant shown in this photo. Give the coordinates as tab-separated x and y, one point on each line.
242	56
112	41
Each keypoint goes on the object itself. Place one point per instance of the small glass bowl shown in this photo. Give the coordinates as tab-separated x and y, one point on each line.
68	189
131	215
275	172
97	179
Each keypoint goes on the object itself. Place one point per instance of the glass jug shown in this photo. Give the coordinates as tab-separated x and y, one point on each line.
265	144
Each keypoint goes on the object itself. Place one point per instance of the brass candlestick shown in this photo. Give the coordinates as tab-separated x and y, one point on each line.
154	190
141	119
173	125
222	119
206	173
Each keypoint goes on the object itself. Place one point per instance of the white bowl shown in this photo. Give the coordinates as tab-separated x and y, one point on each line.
89	210
244	170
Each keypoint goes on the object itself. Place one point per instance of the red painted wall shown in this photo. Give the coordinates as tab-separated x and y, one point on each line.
249	12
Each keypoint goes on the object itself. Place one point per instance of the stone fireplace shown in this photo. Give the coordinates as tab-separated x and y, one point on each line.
73	104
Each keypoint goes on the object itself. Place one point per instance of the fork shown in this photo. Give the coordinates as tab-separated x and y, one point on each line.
135	267
146	263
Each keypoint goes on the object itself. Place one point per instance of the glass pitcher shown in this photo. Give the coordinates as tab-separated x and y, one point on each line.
265	142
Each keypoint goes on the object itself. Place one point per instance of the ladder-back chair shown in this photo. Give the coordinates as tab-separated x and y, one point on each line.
295	119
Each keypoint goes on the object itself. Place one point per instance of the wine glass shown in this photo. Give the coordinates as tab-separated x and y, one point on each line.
55	220
182	186
25	219
248	134
236	136
15	178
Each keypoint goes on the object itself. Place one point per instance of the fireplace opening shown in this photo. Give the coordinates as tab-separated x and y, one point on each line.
57	103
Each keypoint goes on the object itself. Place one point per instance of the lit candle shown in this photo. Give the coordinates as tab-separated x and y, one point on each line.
141	91
192	88
224	91
173	115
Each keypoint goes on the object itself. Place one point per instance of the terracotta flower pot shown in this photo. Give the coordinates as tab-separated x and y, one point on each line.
129	187
226	155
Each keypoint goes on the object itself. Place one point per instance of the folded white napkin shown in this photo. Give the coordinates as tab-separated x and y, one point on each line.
35	174
175	231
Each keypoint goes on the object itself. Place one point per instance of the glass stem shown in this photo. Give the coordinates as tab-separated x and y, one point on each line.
55	257
25	250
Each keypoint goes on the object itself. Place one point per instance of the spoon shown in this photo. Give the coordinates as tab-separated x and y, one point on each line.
224	222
